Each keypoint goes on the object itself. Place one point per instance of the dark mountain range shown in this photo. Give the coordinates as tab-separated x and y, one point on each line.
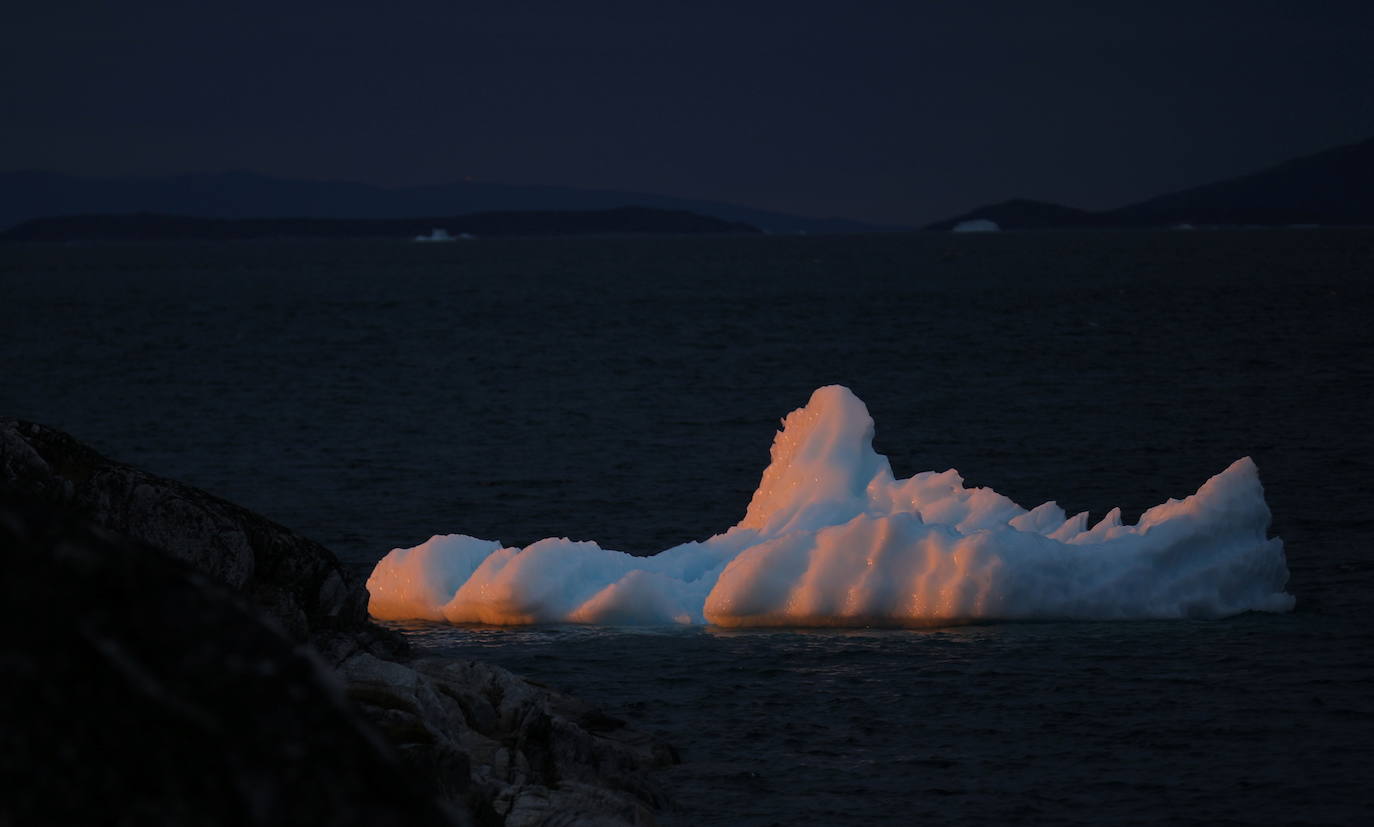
241	195
151	227
1333	187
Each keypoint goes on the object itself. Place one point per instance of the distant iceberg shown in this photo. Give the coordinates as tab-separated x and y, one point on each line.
831	538
976	225
440	234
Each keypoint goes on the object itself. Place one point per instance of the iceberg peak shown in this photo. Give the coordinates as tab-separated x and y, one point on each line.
831	538
822	467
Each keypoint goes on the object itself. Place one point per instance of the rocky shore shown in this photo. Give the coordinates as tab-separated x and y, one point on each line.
174	658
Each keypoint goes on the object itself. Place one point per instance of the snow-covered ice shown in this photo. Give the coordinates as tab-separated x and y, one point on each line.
831	538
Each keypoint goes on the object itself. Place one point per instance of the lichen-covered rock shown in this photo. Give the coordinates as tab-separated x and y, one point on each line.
296	580
533	754
138	690
184	639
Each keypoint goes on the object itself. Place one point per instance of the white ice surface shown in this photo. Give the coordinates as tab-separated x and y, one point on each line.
830	538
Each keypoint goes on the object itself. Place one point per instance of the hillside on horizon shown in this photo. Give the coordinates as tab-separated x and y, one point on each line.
537	223
28	195
1334	187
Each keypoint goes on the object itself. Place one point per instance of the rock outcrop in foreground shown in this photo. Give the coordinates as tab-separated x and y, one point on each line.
174	658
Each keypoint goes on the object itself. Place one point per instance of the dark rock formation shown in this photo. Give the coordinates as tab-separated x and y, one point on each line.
184	660
530	754
138	690
300	583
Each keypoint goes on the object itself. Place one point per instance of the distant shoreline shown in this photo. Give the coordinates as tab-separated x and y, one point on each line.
1327	189
625	221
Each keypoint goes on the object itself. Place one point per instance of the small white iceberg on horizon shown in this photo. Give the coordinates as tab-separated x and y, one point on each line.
976	225
440	234
832	538
436	234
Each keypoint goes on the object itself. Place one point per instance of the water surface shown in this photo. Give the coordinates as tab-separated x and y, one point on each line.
627	390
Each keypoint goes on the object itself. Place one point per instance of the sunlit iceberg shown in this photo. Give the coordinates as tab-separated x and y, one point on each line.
831	538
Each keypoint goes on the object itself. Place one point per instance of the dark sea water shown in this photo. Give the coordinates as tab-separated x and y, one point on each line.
626	390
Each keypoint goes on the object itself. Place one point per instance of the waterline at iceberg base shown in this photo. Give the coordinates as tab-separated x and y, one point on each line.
831	538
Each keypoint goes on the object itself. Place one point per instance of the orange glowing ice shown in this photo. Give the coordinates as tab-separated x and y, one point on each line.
830	537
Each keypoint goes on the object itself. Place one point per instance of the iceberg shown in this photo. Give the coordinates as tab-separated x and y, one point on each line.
436	234
976	225
832	538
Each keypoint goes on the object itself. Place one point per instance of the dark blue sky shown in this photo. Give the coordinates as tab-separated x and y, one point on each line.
896	112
